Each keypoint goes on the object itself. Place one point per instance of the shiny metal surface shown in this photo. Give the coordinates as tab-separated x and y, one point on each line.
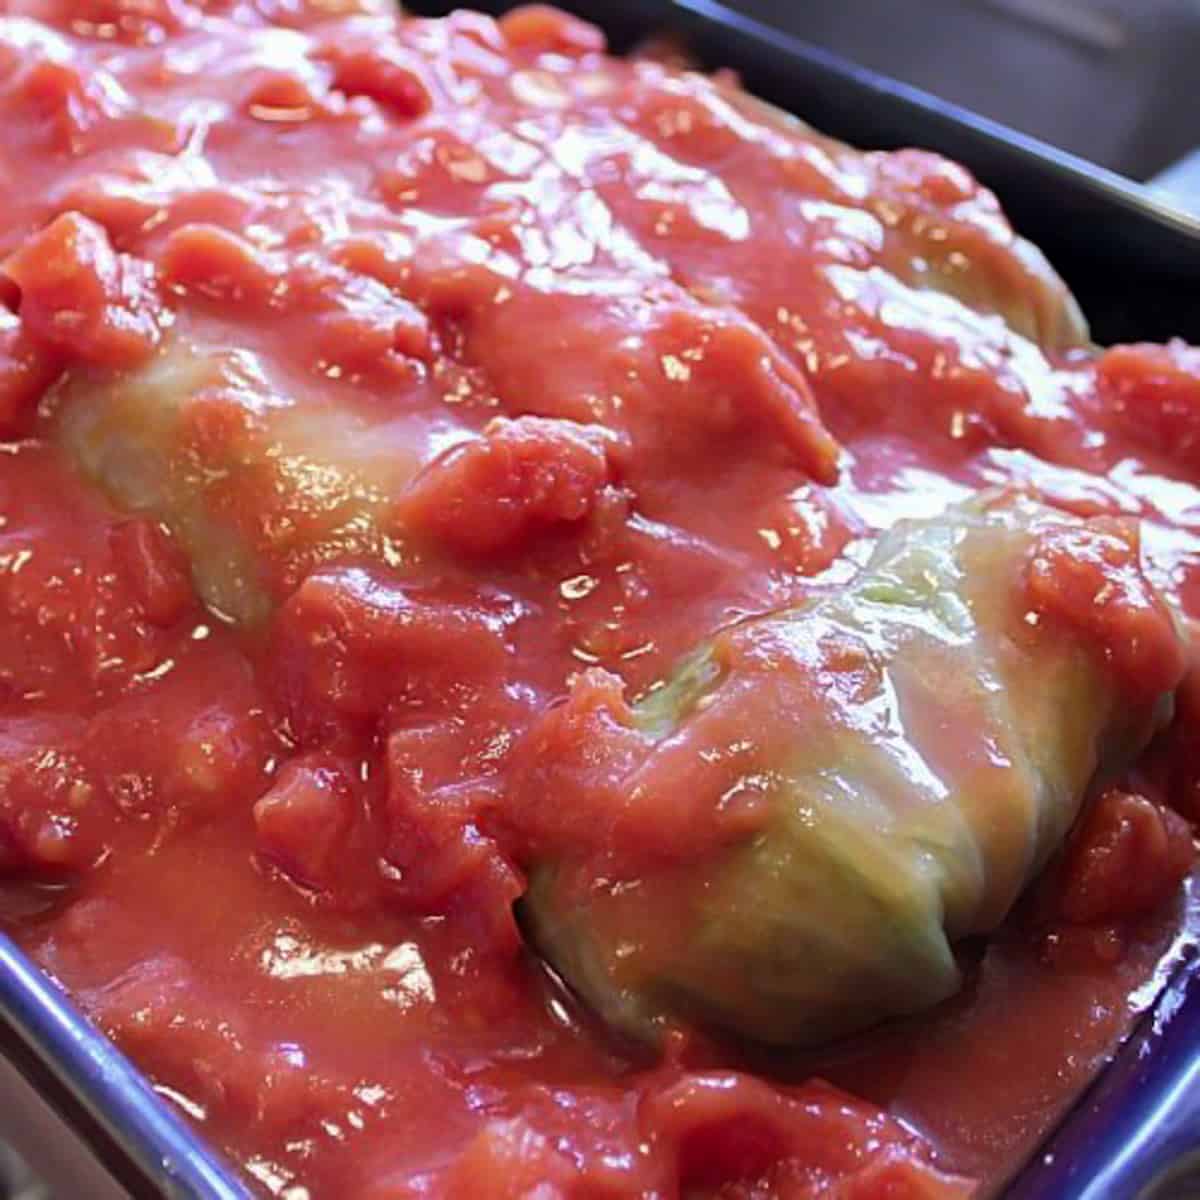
17	1181
81	1113
1039	66
64	1165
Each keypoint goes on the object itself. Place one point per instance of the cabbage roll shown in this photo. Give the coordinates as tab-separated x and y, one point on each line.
259	482
920	741
951	234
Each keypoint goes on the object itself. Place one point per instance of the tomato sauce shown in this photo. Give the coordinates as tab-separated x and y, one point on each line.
364	382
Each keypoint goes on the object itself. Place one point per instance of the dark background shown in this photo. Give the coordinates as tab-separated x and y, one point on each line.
1115	81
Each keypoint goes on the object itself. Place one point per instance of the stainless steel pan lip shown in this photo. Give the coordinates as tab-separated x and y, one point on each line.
100	1098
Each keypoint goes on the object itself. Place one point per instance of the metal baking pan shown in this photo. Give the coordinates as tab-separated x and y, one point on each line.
79	1111
82	1114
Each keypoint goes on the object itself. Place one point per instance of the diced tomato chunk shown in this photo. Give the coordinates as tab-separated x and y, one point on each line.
352	642
1154	393
729	1131
522	477
545	27
805	530
171	1020
437	840
937	179
1090	577
131	21
68	614
510	1160
612	790
585	749
686	122
54	820
82	299
723	376
1127	858
218	265
62	95
158	994
280	97
385	75
356	324
191	745
304	820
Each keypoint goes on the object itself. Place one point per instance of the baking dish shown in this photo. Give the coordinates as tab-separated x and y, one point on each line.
1150	266
82	1115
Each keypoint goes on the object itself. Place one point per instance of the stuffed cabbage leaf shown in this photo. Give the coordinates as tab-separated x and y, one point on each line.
916	745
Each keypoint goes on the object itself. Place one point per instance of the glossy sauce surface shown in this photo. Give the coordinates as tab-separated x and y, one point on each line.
363	381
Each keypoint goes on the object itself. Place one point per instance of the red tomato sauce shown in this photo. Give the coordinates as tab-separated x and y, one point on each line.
364	381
